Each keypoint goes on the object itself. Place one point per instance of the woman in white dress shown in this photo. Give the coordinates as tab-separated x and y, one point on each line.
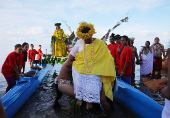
146	55
91	67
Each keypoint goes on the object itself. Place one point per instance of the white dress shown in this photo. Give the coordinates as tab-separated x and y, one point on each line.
86	87
166	110
147	63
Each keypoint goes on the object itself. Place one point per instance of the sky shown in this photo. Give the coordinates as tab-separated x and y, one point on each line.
33	21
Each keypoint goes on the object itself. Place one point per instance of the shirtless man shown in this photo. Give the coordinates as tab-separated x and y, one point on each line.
63	87
135	55
158	51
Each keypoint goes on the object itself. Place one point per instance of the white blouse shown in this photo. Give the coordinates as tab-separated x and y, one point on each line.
77	47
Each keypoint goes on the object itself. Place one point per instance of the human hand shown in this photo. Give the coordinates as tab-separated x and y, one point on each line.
163	59
118	49
154	60
122	73
21	75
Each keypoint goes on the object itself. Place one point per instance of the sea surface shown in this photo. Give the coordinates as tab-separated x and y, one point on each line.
40	104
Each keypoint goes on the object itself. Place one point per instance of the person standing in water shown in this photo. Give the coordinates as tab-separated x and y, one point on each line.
118	48
23	55
10	68
125	64
158	51
146	55
39	56
91	67
135	55
112	45
60	47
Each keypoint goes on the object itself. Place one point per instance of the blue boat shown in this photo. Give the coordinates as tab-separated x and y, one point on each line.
137	102
22	91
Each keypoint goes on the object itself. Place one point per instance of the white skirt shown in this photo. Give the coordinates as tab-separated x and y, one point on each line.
87	87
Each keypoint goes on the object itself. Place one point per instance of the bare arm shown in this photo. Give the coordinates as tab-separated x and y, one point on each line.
166	91
163	51
136	55
19	69
70	60
23	69
124	69
140	55
16	71
2	111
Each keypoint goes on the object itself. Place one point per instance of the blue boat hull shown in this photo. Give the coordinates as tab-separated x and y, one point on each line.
137	102
22	91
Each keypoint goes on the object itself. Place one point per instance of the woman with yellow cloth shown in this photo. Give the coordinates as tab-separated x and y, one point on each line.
60	48
93	66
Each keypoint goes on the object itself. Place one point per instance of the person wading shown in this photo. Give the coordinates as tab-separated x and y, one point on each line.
10	68
157	63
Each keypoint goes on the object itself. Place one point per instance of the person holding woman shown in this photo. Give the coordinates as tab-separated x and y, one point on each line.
146	55
23	55
91	67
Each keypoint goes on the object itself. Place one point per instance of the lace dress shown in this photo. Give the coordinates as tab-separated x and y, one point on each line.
86	87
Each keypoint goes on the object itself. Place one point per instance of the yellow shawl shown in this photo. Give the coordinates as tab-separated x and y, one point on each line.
103	64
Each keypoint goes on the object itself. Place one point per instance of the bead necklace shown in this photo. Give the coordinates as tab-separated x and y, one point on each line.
84	56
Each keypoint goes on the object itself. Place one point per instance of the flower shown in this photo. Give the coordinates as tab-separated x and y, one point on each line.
88	35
